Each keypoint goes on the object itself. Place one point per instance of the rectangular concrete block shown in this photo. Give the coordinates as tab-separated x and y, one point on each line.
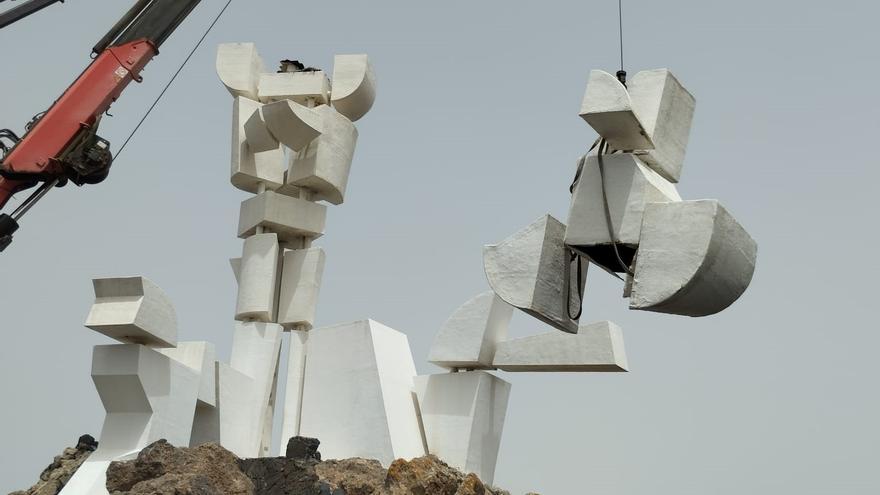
297	86
358	394
470	336
290	218
300	286
200	357
239	67
463	416
133	310
597	347
251	168
293	400
237	415
259	272
608	109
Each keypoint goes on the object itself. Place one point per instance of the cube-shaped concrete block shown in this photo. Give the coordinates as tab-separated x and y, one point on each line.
257	287
293	124
528	271
629	186
354	85
293	398
597	347
259	139
324	165
469	337
239	67
133	310
200	357
608	109
300	286
291	218
299	86
463	416
666	109
250	169
694	259
358	395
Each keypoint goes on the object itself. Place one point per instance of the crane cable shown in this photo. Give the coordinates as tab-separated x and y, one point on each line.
173	78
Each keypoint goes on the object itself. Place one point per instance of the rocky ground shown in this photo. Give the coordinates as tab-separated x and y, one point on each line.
162	469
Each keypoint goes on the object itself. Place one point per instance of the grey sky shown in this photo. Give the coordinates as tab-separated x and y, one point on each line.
475	134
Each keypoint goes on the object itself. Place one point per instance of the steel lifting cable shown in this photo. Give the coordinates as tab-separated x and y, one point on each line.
173	78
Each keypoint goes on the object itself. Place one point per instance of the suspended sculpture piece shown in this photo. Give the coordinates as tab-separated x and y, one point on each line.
133	310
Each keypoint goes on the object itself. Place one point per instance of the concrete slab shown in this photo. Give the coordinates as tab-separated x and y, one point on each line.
293	400
300	286
354	85
259	139
290	218
608	109
470	336
251	170
694	259
239	67
133	310
258	279
297	86
597	347
294	124
200	357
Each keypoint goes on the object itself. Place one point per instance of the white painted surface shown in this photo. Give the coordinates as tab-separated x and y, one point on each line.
597	347
239	67
694	259
354	85
358	394
300	286
249	170
258	278
527	271
290	218
293	400
609	111
296	86
293	124
133	310
470	336
200	357
463	415
324	165
259	139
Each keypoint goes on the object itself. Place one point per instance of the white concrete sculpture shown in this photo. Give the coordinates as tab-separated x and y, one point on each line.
463	416
629	185
252	171
324	165
358	393
597	347
292	219
470	336
296	373
258	277
354	85
133	310
300	86
293	124
694	259
239	67
200	357
256	131
608	109
528	271
300	285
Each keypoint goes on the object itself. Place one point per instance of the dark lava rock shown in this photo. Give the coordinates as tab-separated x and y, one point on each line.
57	474
303	448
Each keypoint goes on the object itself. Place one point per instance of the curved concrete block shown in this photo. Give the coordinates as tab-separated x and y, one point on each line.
324	165
257	278
354	85
239	67
293	124
608	109
259	139
299	86
527	271
469	337
597	347
250	169
694	259
291	218
630	185
133	310
300	287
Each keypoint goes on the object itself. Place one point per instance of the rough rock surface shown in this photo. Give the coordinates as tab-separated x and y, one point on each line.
162	469
57	474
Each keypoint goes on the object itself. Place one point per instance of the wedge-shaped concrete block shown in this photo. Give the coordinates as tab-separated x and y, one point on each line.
259	139
299	86
597	347
235	418
608	109
354	85
300	285
629	185
470	336
324	165
239	67
200	357
291	218
666	109
235	265
358	395
250	169
293	398
528	271
463	416
293	124
694	259
133	310
258	278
